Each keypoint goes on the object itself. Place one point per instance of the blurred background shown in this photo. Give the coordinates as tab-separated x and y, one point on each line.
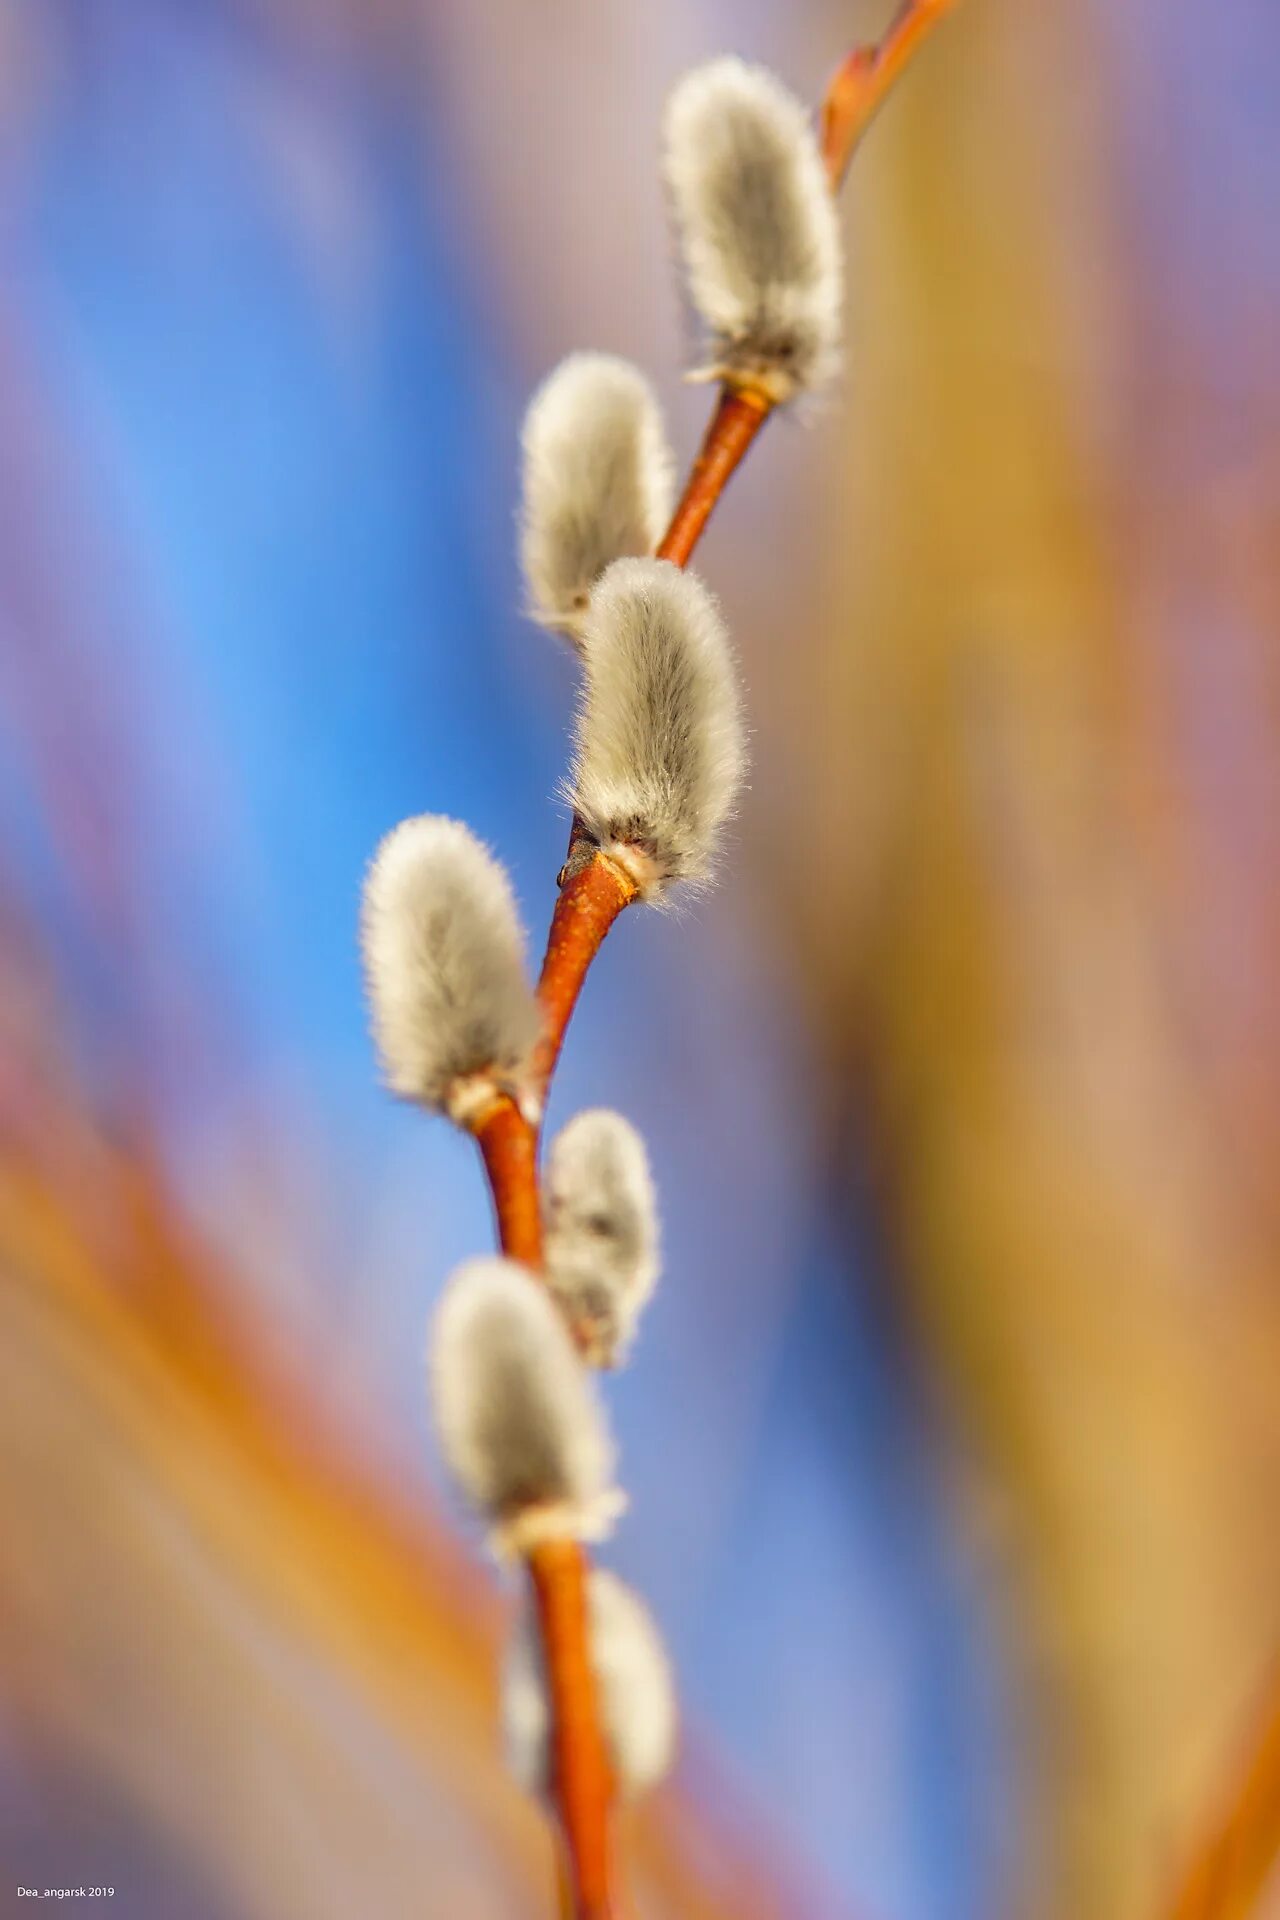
953	1438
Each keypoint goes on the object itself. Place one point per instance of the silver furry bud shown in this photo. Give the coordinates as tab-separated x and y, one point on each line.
758	227
659	747
520	1425
453	1013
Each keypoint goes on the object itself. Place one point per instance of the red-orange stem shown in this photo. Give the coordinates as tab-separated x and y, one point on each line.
509	1148
735	423
580	1777
1229	1875
861	83
591	897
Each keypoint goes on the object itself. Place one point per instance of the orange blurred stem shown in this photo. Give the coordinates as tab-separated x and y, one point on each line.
593	893
860	85
509	1148
738	418
580	1775
1231	1872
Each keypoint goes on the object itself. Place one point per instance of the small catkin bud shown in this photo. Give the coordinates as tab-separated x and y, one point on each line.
633	1675
519	1422
598	482
601	1223
453	1014
659	751
758	227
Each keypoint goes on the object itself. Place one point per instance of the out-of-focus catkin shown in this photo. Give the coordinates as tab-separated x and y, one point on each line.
520	1425
601	1231
597	482
636	1693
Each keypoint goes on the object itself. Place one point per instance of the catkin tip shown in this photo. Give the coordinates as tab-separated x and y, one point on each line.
601	1228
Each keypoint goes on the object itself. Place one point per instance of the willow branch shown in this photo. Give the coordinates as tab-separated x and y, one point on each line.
593	892
858	88
580	1781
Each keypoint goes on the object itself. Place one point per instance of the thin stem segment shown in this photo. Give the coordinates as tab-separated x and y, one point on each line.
579	1766
593	893
861	84
509	1148
738	418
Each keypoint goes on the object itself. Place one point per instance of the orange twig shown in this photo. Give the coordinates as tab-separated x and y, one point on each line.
1230	1873
509	1148
590	900
593	892
859	86
580	1777
735	423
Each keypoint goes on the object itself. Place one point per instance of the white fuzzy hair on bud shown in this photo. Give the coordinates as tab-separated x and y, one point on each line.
659	748
520	1424
636	1694
758	227
598	482
453	1014
601	1221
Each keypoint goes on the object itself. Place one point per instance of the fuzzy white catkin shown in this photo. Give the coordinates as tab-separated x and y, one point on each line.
757	225
444	964
601	1230
637	1697
597	483
659	750
519	1421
